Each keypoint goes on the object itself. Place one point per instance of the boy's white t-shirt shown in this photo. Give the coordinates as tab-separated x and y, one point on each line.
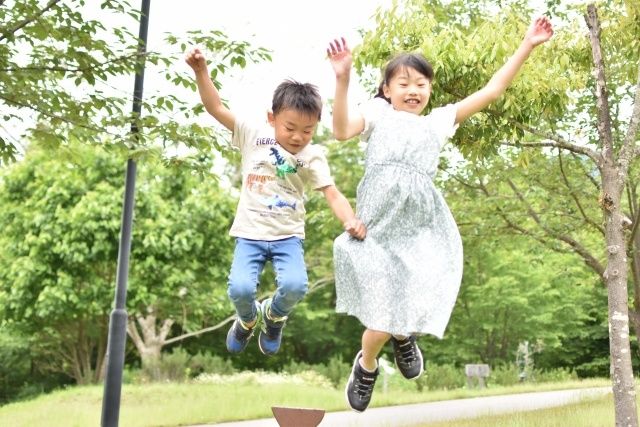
271	205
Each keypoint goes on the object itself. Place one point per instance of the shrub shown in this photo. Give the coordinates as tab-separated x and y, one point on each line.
172	366
211	364
441	377
506	375
335	370
554	375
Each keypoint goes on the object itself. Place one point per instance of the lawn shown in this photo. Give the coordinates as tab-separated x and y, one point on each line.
592	413
173	404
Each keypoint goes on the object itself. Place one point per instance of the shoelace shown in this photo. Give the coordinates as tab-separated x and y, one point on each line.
364	386
408	353
272	330
242	333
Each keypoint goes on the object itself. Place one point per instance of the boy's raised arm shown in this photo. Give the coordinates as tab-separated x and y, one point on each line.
343	127
539	32
208	92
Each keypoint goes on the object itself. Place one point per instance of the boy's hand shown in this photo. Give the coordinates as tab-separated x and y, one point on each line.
196	60
540	31
340	57
355	228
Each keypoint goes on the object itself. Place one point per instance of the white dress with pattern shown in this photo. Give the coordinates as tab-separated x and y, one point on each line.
404	277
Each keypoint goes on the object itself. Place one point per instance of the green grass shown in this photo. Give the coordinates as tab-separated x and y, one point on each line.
184	404
590	413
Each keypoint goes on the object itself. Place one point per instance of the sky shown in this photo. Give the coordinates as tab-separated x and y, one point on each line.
297	32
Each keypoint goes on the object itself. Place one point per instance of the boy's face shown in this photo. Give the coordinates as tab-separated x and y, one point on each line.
293	130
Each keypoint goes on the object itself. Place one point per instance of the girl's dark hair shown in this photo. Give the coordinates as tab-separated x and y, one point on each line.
300	97
400	62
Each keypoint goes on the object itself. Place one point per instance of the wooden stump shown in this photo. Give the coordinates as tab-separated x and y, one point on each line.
297	417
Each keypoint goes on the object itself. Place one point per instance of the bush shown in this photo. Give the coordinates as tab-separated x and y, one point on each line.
336	371
441	377
172	366
506	375
210	364
554	375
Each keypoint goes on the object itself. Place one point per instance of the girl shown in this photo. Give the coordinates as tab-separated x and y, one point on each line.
403	279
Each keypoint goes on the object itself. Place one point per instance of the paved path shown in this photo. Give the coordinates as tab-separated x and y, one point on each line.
418	414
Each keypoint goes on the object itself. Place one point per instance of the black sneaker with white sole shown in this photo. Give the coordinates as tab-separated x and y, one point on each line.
408	357
360	386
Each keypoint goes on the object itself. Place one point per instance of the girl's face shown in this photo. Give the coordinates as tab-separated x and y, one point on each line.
408	90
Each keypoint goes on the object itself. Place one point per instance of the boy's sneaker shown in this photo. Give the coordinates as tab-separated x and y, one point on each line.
408	357
360	386
239	334
271	333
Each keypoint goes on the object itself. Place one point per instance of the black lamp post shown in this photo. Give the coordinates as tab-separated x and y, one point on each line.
118	318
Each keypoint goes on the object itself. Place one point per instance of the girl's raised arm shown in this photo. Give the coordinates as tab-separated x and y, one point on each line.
539	32
344	127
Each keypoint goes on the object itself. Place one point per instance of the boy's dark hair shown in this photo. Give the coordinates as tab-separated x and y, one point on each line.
301	97
400	62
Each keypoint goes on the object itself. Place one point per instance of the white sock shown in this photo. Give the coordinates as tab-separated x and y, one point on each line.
365	369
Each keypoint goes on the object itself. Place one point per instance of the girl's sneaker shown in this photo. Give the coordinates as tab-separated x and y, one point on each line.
408	357
360	386
271	333
239	334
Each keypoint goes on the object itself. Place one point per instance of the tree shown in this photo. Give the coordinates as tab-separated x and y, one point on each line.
181	260
60	219
563	99
56	69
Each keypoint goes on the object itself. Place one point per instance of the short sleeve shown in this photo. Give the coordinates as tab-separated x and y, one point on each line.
371	111
443	120
319	172
242	132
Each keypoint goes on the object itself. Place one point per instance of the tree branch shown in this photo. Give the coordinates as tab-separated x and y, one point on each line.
132	330
591	179
589	259
55	116
554	141
201	331
575	197
629	149
29	20
634	230
511	224
602	98
313	287
79	69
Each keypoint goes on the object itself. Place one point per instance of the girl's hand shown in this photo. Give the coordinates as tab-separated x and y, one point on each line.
356	228
340	57
196	60
540	31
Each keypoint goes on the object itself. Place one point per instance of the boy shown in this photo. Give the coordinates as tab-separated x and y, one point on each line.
277	160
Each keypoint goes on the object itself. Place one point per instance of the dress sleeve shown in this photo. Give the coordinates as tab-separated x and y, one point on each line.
371	111
443	120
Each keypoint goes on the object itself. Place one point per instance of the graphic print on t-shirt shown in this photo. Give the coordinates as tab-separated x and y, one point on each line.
268	190
282	167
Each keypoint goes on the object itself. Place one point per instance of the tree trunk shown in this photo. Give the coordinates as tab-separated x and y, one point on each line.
150	343
614	176
616	281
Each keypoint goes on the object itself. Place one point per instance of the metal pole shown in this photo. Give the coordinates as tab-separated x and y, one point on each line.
118	318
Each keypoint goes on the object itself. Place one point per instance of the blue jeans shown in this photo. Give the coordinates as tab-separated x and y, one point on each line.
249	258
